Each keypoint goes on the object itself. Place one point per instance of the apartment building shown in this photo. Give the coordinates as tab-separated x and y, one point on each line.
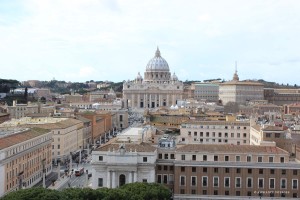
67	133
25	157
215	132
241	172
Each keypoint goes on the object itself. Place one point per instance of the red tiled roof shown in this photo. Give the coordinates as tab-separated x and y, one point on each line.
17	138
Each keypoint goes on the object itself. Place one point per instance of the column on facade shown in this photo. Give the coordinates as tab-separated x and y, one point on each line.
139	101
145	100
132	100
167	103
155	100
150	100
130	177
108	179
134	176
113	179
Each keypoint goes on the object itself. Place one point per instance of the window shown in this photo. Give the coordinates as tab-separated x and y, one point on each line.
268	135
244	135
194	181
271	159
216	170
259	159
166	156
283	172
144	180
58	146
193	157
100	182
204	170
272	183
232	135
195	133
165	168
182	169
226	170
193	191
189	133
160	156
238	135
215	192
171	168
249	182
172	156
226	158
204	157
216	181
277	135
215	158
249	171
238	182
158	178
272	171
248	158
283	183
238	193
193	169
182	157
145	159
295	172
237	158
100	158
207	134
260	183
261	171
226	181
249	193
295	183
238	170
182	191
204	181
158	167
282	159
165	179
182	180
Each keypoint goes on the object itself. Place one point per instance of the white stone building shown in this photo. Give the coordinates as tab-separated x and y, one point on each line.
240	91
114	165
158	88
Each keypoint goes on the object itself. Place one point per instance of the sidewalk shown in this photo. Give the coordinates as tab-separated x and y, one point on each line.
59	182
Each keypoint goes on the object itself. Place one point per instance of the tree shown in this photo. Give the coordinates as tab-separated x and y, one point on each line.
132	191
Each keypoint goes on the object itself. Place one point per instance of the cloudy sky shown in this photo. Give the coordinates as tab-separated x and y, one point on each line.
80	40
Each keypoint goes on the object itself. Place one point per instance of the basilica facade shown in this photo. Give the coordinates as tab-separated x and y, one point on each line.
158	87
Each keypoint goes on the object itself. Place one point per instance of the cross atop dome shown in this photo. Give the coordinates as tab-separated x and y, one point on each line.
157	53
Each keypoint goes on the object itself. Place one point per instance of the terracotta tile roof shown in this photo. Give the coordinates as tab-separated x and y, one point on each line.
228	148
17	138
58	125
273	128
142	147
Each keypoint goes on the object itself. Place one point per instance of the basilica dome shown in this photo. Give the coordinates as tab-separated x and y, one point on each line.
157	64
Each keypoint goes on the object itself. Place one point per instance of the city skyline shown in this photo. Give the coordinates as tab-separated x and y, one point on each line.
114	40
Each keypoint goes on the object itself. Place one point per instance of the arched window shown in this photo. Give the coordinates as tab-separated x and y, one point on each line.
122	180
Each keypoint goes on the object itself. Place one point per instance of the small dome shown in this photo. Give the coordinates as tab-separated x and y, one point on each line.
139	77
174	77
157	64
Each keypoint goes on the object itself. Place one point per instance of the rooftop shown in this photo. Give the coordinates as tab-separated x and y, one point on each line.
142	147
21	136
229	148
